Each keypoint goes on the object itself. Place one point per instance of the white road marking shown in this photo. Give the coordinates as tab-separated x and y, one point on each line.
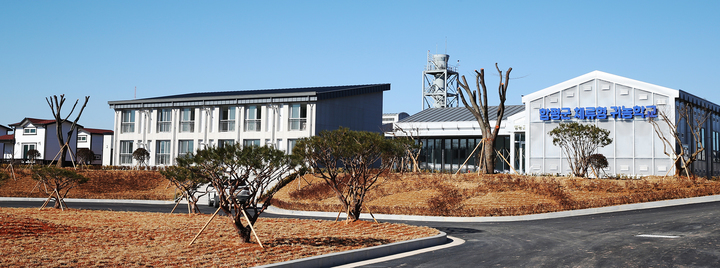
658	236
455	242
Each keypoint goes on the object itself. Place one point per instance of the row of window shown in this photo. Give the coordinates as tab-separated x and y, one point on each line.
163	150
253	119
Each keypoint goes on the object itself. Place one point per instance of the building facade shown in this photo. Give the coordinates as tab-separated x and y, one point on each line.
450	138
99	141
173	126
624	107
40	135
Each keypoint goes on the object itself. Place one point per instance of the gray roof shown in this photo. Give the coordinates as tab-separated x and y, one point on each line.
458	114
320	93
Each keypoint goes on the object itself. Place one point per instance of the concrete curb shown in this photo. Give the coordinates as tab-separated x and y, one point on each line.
340	258
550	215
80	200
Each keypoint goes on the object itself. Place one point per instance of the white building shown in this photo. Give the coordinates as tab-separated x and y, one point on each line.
450	135
99	141
40	134
171	126
623	106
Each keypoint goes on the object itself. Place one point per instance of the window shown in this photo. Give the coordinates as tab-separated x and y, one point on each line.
298	116
126	150
29	131
701	155
26	148
251	142
187	120
252	118
164	120
227	119
128	121
186	147
223	143
162	155
82	138
291	145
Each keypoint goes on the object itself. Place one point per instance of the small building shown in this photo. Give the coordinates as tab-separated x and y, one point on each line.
172	126
6	143
450	138
40	135
98	141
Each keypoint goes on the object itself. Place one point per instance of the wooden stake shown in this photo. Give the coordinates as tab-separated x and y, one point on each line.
206	224
251	227
511	167
468	159
176	204
373	216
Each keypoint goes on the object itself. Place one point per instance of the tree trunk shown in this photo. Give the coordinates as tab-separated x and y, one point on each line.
488	166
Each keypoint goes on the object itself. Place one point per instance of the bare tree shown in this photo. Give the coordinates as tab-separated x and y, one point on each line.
412	148
682	158
56	107
480	111
579	142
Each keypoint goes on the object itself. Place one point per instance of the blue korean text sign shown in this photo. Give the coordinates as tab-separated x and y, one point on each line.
591	113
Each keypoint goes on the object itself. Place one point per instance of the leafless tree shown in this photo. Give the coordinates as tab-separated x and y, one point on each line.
480	111
681	155
412	148
56	107
187	182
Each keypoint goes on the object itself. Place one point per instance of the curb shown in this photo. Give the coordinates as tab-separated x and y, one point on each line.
542	216
345	257
80	200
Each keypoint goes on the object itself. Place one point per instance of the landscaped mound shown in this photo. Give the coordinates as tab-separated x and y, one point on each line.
81	238
102	184
493	195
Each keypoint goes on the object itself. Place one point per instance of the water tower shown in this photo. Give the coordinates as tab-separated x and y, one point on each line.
439	82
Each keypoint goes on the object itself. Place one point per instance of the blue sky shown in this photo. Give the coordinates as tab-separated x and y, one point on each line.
105	49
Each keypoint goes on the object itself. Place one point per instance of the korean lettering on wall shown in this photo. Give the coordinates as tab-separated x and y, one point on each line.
591	113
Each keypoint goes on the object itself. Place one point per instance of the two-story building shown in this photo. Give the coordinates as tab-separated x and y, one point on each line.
172	126
6	142
40	134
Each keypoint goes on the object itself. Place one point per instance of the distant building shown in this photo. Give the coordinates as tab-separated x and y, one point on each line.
41	135
172	126
389	119
99	141
6	142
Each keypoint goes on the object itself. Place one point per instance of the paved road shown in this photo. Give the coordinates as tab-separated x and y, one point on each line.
675	236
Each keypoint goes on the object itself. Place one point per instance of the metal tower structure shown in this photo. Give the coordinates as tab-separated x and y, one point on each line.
439	82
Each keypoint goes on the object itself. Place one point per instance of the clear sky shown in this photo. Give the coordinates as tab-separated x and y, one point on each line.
104	49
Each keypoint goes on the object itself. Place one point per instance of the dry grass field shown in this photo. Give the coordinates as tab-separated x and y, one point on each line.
102	184
84	238
493	195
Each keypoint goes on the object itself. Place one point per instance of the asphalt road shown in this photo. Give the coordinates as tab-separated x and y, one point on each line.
685	236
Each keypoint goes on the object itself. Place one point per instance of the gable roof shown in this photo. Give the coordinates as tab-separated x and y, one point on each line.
459	114
265	95
601	76
98	131
1	126
34	121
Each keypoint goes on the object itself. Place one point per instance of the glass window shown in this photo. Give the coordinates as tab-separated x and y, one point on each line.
251	142
185	147
291	145
252	118
162	154
26	148
128	121
298	116
82	138
187	120
29	131
223	143
126	150
164	120
227	119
